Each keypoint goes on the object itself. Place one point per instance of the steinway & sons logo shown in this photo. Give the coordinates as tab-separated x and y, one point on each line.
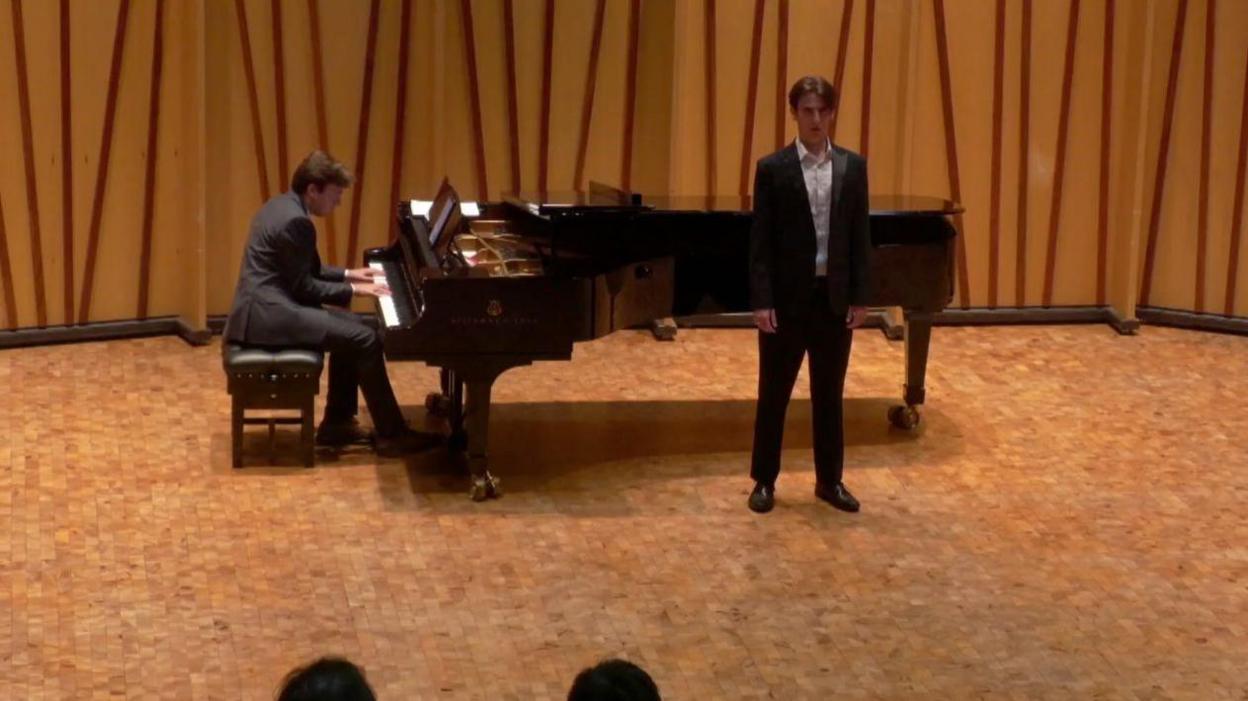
494	317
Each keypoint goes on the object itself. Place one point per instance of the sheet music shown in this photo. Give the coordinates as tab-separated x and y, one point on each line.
420	208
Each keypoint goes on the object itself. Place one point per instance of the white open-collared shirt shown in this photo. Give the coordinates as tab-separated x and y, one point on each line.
817	172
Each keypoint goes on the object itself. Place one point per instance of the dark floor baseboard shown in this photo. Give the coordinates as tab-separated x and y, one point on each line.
1002	316
172	325
195	337
983	316
975	316
97	331
1162	316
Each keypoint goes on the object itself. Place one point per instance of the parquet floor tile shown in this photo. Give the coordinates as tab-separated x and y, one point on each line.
1069	522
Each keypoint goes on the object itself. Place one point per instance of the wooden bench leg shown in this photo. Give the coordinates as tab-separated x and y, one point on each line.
236	431
307	439
272	439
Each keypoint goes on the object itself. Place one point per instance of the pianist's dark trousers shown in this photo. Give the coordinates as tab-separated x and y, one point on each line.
820	333
356	360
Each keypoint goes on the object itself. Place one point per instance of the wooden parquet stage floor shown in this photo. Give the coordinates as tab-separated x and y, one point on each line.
1069	523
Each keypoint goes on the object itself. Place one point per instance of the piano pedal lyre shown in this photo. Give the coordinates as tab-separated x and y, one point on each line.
438	404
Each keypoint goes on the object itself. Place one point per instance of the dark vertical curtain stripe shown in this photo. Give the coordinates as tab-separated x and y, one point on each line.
1202	216
1024	171
998	100
1059	169
67	168
513	111
543	147
868	63
28	153
951	146
361	136
1237	211
279	90
149	177
782	70
1163	154
630	98
400	113
253	101
708	28
842	54
322	125
474	94
587	103
106	146
1107	96
751	97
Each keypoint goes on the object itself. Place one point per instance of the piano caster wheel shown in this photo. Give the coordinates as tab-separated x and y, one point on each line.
438	404
485	487
903	417
457	442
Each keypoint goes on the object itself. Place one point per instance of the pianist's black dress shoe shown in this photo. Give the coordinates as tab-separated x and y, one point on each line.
406	442
837	495
336	434
762	498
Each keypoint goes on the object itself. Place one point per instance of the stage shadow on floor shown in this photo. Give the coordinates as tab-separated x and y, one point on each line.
540	447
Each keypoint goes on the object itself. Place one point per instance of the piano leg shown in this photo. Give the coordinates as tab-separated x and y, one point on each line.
477	414
918	340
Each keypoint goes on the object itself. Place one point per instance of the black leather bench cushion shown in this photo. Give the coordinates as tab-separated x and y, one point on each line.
294	360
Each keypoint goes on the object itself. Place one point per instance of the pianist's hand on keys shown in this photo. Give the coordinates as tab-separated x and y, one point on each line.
385	301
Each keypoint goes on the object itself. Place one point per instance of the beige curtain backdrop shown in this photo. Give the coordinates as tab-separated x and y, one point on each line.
98	226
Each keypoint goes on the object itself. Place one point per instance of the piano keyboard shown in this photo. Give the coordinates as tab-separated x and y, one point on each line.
388	313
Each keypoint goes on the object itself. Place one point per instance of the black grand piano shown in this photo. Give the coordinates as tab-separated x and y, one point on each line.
482	288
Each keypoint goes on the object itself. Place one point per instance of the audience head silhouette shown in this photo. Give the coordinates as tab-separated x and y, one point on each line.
614	680
327	679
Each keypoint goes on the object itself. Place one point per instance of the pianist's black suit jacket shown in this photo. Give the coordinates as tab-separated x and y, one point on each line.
282	284
782	238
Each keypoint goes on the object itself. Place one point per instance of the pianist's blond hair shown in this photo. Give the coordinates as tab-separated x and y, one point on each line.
320	169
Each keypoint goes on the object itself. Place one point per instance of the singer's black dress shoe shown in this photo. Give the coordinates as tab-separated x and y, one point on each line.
837	495
762	498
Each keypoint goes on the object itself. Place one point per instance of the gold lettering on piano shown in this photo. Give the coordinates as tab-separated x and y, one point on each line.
494	308
493	322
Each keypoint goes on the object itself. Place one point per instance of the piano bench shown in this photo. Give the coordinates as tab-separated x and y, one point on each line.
263	378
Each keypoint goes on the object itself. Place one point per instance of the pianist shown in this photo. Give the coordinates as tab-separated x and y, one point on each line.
279	302
809	248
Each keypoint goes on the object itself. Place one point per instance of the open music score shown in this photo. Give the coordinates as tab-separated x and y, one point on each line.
420	208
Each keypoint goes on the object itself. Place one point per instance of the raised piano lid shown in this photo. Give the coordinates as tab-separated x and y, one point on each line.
881	205
598	199
572	200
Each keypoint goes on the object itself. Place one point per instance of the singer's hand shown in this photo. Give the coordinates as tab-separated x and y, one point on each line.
765	320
